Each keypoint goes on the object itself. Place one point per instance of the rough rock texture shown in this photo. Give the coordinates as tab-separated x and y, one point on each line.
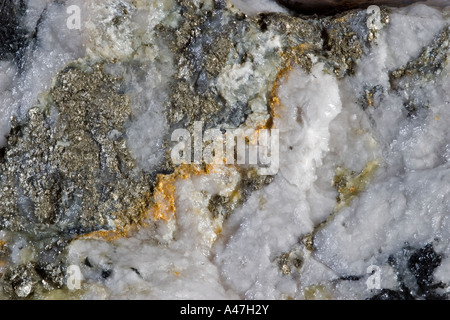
66	166
329	7
87	179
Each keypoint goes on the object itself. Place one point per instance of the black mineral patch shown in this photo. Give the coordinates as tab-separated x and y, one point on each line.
13	34
414	268
422	264
388	294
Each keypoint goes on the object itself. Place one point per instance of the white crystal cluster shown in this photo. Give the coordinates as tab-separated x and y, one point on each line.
271	224
409	198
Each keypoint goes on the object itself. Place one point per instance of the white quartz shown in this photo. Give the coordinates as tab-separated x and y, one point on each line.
253	7
322	127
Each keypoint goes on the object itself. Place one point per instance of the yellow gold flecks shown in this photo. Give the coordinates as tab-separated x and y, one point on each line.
164	197
105	235
350	185
3	247
317	292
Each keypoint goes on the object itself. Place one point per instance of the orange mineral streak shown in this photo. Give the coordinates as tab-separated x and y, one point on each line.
291	58
255	136
106	235
159	207
164	208
163	205
3	248
274	100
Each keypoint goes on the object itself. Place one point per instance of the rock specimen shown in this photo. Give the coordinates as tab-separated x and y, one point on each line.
93	204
